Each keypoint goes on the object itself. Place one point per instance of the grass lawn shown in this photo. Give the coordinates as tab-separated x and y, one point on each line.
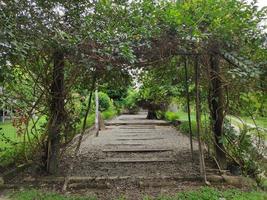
182	116
204	193
260	121
10	150
9	131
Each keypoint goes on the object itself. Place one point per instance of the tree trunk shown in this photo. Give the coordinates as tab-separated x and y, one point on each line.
57	113
151	114
217	108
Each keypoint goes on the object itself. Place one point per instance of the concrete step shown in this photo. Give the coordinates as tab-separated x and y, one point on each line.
147	138
136	150
125	144
135	160
154	123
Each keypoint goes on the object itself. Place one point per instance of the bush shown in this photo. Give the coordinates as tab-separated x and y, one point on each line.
108	114
246	149
184	128
104	101
171	116
130	102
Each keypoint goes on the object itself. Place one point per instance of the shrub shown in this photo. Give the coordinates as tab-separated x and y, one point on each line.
246	149
171	116
130	102
184	128
111	112
104	101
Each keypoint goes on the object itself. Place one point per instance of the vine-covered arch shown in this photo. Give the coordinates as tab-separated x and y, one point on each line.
65	47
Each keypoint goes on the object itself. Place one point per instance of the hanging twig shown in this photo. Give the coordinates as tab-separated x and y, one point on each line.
96	110
188	107
207	131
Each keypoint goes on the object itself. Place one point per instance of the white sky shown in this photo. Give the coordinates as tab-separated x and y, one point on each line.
261	3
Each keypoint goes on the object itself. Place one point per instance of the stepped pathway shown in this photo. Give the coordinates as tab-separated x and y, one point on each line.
133	147
132	157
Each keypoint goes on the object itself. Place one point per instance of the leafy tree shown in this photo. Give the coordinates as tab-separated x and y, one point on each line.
159	86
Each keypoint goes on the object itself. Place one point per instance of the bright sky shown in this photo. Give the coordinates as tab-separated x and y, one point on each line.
261	3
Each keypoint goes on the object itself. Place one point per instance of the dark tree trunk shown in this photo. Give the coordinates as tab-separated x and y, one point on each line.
151	114
57	113
217	108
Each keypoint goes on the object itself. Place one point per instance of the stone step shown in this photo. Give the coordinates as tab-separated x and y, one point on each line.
124	144
135	128
135	160
105	182
126	135
137	150
155	123
75	179
151	138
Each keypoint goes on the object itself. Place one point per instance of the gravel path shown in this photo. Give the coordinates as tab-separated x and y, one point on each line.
133	146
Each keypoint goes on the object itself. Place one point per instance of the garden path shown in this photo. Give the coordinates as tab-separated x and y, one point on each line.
133	146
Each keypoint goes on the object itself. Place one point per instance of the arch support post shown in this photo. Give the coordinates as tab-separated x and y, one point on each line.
217	108
188	106
198	120
96	110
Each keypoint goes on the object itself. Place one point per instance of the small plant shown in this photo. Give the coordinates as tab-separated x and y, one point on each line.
104	101
244	149
171	116
184	128
130	102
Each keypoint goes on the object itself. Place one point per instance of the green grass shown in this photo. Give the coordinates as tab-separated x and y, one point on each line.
182	116
10	151
204	193
260	121
9	131
38	195
184	127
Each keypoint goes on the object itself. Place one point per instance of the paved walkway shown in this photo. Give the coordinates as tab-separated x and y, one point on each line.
133	146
